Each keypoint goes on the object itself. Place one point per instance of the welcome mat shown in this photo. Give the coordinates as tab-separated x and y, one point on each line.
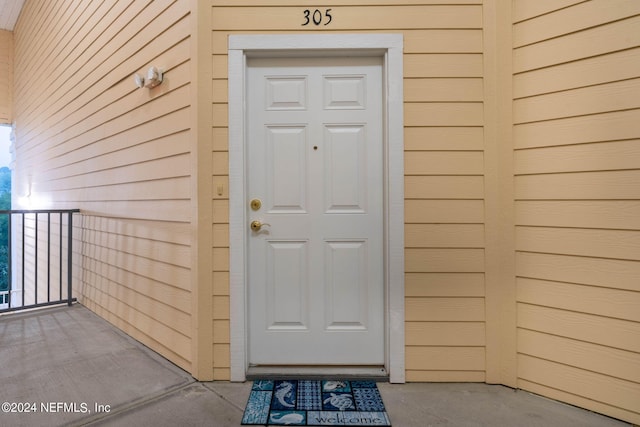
315	403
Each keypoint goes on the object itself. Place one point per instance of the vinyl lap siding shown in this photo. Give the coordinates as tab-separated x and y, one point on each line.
577	157
6	77
444	189
89	139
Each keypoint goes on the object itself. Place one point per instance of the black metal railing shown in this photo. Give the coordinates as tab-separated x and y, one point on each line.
38	266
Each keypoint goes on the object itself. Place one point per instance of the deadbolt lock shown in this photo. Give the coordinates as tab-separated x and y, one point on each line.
256	204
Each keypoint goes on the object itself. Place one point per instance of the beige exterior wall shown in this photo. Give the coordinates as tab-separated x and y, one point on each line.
88	138
6	77
521	127
522	124
576	89
443	63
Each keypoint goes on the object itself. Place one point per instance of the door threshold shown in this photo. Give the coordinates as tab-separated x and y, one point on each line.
371	373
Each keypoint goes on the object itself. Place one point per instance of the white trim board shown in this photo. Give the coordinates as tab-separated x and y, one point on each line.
388	46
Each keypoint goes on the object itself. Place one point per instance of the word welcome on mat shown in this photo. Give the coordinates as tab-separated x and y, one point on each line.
315	403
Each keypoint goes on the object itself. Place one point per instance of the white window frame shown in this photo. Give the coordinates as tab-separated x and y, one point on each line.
390	48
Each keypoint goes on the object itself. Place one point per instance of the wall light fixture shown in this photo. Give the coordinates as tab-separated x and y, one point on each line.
153	78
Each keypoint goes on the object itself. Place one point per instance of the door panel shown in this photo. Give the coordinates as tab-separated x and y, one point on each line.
344	92
286	168
314	159
286	93
346	285
345	168
287	286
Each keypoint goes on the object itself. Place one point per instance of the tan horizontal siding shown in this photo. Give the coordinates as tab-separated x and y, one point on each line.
614	333
138	324
220	213
161	134
446	358
111	121
604	185
220	267
161	274
606	214
576	400
267	3
151	248
118	41
445	333
172	233
443	41
606	68
444	235
125	109
461	309
443	114
591	42
614	155
6	77
592	385
444	187
168	179
622	95
610	126
576	165
416	65
419	41
154	210
388	17
602	301
89	139
443	138
221	283
523	10
445	376
443	65
443	90
572	19
441	260
617	244
617	363
443	211
612	273
444	164
444	284
151	302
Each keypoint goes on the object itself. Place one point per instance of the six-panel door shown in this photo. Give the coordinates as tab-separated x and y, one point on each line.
315	275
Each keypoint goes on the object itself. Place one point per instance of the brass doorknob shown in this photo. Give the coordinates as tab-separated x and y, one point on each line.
256	225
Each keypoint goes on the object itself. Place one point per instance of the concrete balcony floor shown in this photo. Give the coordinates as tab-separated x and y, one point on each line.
83	371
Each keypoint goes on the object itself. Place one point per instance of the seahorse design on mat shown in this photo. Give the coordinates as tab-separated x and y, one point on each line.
340	401
283	392
287	419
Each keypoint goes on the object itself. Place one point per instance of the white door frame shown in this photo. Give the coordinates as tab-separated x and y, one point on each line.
390	48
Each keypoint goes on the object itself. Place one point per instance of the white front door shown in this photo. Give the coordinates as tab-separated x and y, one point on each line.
315	163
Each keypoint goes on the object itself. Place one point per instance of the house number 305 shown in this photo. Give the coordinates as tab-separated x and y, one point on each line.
317	17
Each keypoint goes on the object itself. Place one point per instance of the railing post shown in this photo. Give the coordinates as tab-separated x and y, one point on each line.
48	256
23	253
35	259
10	267
60	220
70	259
